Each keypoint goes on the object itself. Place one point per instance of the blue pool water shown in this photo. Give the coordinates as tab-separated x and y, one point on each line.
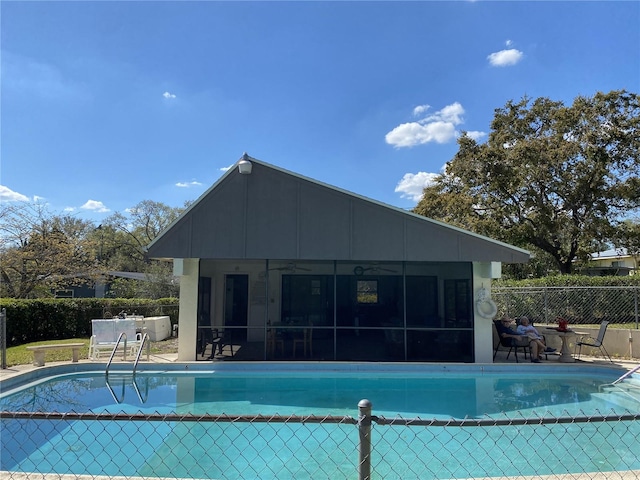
435	395
245	450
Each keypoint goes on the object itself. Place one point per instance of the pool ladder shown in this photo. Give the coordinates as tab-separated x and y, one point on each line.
145	340
134	382
121	337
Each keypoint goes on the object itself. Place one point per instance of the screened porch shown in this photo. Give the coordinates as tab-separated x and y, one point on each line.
335	311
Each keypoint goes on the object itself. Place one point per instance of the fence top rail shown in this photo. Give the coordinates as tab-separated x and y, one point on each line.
492	422
496	288
345	419
176	417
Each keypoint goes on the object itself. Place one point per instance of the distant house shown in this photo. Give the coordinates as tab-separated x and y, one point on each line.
98	288
615	262
274	258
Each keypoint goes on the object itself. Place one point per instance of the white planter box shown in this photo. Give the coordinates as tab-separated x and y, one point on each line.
158	328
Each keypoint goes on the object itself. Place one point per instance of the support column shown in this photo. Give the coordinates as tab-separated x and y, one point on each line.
483	273
188	316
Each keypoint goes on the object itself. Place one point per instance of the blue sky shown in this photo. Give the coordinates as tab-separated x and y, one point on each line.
106	104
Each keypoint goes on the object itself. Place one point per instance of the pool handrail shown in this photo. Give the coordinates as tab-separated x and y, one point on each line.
145	338
113	393
629	373
115	348
136	388
620	379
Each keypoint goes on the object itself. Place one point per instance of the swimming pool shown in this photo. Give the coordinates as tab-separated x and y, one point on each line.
428	394
194	449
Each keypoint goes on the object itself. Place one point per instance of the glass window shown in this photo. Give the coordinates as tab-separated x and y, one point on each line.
422	301
367	291
457	303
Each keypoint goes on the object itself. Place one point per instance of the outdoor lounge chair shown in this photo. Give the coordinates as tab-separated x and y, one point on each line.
598	342
509	343
105	334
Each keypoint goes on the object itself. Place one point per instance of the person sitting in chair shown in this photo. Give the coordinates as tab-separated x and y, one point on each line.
525	328
505	330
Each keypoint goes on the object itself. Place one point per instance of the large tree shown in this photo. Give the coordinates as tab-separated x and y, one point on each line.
550	177
123	238
40	251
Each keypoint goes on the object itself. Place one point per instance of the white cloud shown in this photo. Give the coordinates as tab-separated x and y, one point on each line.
8	195
450	114
505	58
476	135
411	134
168	95
96	206
188	184
224	169
69	209
440	127
420	109
508	43
412	184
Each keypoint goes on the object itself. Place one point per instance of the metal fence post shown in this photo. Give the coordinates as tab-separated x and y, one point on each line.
546	304
635	298
3	337
364	446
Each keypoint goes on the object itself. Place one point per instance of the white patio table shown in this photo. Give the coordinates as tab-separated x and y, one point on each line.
565	352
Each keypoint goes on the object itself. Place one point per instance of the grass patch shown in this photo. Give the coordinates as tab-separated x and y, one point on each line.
21	356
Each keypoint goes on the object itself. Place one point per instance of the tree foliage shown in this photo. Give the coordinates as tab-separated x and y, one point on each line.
627	237
40	251
553	178
122	238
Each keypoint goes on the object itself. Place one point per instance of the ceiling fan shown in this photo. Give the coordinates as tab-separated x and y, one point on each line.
371	270
291	268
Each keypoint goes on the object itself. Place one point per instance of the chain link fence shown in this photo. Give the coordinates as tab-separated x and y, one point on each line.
578	305
154	445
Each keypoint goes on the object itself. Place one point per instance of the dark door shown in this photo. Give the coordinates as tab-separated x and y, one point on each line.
204	312
204	301
236	305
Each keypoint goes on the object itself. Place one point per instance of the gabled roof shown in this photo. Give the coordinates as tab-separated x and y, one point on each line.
276	214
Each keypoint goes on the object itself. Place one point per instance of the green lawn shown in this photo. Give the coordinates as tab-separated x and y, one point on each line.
21	356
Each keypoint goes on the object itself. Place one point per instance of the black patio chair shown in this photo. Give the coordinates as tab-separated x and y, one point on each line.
218	339
511	343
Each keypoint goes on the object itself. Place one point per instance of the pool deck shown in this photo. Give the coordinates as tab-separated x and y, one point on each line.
501	358
16	370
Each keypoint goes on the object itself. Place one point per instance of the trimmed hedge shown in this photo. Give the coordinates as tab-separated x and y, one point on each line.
62	318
